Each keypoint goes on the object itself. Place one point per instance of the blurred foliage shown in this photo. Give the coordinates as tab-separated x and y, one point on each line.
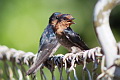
23	21
115	22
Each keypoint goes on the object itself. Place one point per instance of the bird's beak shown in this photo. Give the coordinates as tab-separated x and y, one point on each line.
71	21
72	18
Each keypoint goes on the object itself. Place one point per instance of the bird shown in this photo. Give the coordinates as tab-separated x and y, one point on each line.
48	44
66	36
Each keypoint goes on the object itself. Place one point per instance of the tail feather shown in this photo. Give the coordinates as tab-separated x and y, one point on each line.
42	56
37	64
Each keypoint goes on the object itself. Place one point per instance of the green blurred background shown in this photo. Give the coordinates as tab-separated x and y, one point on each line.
23	21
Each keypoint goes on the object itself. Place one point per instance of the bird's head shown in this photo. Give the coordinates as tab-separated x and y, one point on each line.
54	18
63	22
66	19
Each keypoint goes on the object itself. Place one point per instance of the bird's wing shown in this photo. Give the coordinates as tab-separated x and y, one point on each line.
42	56
48	46
75	38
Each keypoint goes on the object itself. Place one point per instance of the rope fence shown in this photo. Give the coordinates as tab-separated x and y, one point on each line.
68	61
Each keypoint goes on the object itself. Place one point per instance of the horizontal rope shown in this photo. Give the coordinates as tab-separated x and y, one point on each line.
69	60
28	58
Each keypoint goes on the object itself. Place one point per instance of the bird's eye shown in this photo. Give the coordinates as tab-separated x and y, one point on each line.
65	18
56	17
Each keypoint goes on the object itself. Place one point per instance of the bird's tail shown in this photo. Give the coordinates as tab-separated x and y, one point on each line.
33	69
41	57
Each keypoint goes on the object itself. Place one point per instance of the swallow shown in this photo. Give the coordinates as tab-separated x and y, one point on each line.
66	36
47	46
